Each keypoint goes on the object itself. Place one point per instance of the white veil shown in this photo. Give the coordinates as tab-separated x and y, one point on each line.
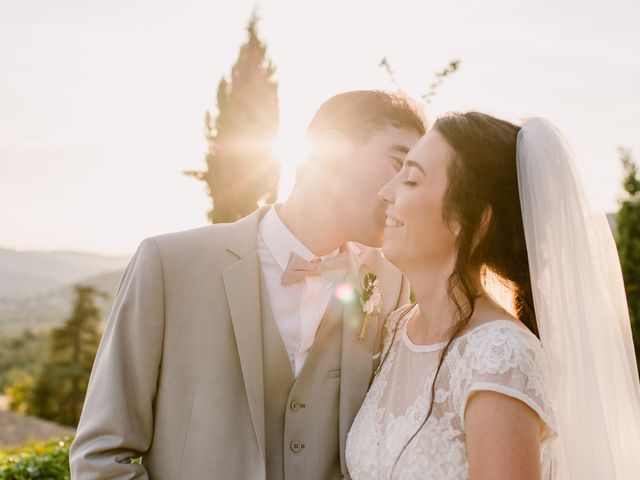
582	314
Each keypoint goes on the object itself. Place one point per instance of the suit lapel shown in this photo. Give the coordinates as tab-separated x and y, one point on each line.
242	287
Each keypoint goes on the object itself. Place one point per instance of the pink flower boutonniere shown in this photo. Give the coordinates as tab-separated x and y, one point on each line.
370	299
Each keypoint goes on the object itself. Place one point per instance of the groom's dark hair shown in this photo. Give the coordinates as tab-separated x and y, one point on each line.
360	114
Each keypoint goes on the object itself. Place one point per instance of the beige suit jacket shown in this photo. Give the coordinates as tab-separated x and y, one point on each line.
178	377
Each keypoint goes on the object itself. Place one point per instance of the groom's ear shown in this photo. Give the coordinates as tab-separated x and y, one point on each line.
331	148
326	154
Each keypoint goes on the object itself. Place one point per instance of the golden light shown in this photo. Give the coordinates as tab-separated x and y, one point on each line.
500	289
291	147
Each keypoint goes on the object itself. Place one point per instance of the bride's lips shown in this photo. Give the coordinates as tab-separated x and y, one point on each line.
392	222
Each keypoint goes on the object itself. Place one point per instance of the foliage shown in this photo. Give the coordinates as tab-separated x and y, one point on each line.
41	461
628	240
21	356
19	394
440	76
59	389
386	66
450	69
242	170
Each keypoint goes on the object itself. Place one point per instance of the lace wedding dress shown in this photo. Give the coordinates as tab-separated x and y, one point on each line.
499	356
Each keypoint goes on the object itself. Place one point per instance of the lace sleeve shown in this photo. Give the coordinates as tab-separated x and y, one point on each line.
506	359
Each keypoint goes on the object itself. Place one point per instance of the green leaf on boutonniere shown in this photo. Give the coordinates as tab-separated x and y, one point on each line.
370	299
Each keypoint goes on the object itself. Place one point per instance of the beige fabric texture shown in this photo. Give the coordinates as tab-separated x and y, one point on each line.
179	378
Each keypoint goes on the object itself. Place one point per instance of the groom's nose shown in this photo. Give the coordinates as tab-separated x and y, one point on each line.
386	193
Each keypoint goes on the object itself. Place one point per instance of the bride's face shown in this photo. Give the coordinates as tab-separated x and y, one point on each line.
415	228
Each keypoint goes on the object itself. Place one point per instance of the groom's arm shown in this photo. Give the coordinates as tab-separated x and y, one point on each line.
117	419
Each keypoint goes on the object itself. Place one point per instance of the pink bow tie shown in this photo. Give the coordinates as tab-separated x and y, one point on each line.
298	268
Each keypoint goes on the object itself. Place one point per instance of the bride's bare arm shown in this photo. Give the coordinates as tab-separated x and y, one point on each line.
503	438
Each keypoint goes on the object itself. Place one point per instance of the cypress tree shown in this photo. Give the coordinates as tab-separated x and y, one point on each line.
59	391
242	169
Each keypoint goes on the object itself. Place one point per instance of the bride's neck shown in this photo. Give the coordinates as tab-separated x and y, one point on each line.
438	312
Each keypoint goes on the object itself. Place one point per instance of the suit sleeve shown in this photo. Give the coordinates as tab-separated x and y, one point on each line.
117	419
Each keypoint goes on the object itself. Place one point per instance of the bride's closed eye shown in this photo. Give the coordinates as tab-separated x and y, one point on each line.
409	176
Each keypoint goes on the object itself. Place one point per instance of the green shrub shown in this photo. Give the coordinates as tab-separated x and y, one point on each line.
40	461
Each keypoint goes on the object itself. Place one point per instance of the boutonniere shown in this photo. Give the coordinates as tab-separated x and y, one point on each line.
370	299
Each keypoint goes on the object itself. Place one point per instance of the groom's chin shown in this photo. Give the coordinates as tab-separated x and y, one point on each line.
371	239
376	242
387	252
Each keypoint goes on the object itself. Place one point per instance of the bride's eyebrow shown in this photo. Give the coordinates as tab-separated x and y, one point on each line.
413	163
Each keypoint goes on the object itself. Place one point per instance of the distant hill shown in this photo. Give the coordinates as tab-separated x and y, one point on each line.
36	288
50	308
29	273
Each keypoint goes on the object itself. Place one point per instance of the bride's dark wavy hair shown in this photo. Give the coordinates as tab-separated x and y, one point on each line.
482	173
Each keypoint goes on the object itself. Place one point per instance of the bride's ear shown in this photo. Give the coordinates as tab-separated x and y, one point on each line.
485	221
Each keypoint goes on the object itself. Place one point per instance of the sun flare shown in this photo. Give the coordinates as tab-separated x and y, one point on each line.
291	147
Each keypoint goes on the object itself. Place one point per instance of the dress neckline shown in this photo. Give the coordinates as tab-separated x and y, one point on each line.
434	347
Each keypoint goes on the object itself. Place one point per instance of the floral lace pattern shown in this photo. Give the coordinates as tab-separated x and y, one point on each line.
497	356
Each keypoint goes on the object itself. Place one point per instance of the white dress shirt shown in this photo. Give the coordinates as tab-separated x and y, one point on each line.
297	308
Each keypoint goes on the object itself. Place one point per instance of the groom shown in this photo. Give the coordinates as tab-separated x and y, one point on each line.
243	350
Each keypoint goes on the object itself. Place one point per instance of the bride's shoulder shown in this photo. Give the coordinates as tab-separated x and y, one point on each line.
502	344
492	322
501	330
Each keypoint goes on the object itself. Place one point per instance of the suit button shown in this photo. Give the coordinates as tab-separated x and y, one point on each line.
295	405
296	446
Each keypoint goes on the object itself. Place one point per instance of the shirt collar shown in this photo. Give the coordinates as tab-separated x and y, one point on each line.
281	242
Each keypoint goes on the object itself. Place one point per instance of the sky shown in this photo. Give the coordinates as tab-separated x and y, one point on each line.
102	103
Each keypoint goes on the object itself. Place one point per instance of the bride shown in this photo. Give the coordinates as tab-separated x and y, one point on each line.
471	386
